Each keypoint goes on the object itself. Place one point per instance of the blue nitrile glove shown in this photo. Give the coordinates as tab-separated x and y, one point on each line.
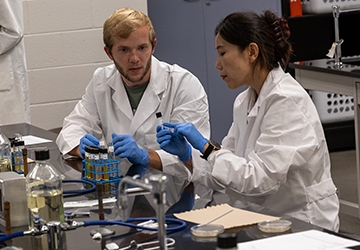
172	143
125	146
188	130
87	140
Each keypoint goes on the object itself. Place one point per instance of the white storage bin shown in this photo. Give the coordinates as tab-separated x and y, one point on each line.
325	6
333	107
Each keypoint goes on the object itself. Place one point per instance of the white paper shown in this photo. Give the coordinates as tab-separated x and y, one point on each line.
31	140
307	240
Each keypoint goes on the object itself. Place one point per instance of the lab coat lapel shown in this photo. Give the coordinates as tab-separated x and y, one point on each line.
119	95
151	98
253	109
147	107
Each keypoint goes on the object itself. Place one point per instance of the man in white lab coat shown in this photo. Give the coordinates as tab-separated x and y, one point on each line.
122	100
14	89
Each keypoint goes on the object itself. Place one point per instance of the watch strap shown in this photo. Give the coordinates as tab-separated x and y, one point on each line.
208	151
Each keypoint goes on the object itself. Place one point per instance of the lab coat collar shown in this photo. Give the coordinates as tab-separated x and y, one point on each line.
270	83
150	100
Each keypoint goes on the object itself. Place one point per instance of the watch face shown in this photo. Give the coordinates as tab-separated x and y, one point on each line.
216	145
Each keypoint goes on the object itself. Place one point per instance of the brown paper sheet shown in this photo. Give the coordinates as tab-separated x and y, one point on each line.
236	218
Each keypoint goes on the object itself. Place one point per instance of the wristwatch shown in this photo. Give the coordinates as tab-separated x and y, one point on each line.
213	145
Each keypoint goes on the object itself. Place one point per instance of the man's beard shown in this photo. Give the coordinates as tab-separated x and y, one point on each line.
127	77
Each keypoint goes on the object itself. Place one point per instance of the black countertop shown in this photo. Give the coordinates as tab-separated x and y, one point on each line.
81	239
351	66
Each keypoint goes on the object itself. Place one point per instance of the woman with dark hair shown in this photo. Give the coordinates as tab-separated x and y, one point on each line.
275	153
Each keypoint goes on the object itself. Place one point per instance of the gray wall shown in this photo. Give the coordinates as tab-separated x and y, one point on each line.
185	33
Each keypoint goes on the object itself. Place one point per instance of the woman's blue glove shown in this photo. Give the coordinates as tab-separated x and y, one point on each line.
172	143
87	140
125	146
188	130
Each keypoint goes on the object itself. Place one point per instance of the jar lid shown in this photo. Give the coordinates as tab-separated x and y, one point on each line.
42	154
19	143
226	240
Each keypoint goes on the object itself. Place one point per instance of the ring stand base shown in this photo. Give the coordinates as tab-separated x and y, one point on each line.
103	231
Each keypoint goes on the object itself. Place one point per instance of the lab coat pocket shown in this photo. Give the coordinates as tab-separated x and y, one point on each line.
6	73
323	204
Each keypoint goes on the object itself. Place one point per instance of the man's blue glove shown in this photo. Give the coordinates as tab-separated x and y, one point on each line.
125	146
172	143
188	130
87	140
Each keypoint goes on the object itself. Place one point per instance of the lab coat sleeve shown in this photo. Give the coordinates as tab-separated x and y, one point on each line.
11	24
82	120
287	140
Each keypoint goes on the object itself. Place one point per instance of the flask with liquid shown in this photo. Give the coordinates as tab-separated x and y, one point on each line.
5	153
44	190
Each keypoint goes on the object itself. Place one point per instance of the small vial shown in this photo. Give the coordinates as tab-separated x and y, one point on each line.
111	157
111	151
105	169
18	156
88	162
97	166
159	116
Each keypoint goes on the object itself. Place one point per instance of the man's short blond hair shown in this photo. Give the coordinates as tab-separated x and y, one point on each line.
123	22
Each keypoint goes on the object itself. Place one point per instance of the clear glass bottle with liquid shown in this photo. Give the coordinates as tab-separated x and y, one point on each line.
44	190
5	153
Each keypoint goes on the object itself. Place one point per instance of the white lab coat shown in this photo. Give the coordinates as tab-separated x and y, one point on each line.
105	109
275	155
14	89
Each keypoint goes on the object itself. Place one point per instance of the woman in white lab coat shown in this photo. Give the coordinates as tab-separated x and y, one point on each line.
14	89
275	153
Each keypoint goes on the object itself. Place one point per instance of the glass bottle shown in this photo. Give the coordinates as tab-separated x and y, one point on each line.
44	190
18	161
5	153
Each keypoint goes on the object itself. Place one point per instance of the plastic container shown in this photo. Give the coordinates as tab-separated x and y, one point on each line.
318	6
5	153
44	190
333	107
226	241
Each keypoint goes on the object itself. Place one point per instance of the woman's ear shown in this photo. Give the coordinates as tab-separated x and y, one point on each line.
253	51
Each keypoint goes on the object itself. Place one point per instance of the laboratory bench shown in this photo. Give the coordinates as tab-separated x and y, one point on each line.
80	238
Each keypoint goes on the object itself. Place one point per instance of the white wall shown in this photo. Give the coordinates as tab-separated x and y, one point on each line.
63	43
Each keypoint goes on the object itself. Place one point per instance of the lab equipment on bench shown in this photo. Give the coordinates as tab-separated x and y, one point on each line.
208	229
156	184
44	190
13	190
5	153
54	230
100	167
